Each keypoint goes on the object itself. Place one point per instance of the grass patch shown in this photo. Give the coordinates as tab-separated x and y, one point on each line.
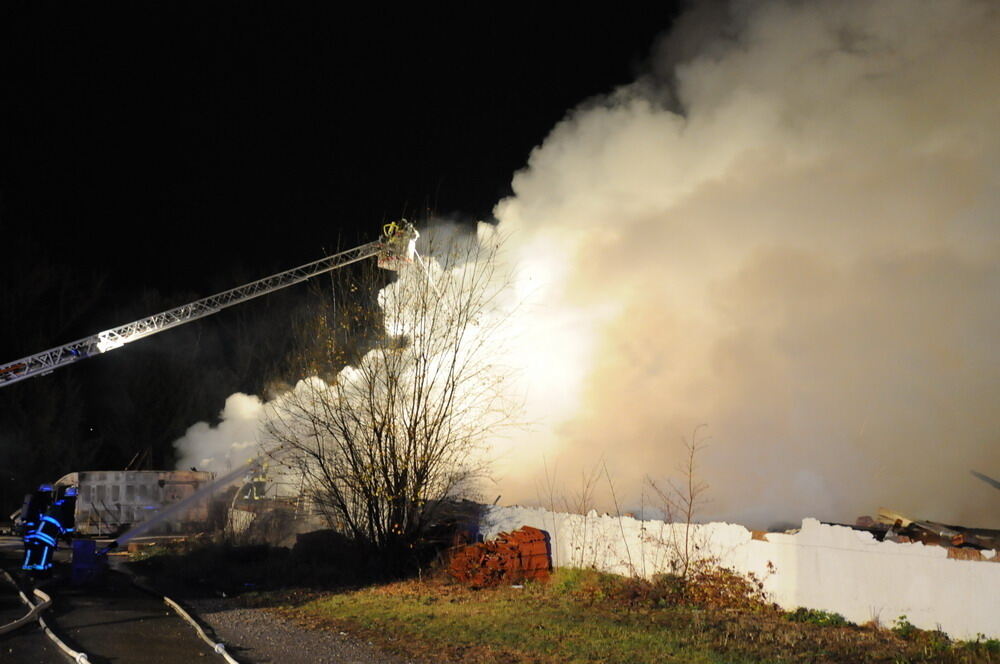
586	616
450	623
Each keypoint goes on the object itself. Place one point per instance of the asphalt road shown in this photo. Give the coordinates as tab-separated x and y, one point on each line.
112	621
28	644
115	622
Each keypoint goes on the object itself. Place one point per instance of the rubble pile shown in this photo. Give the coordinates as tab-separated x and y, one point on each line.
962	542
521	555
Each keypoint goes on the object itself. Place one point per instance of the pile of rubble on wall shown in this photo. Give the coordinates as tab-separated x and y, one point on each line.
962	542
522	555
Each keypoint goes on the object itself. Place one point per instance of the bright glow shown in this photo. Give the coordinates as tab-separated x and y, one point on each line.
107	342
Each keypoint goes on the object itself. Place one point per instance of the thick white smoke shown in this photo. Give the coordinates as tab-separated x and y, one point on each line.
802	255
231	444
788	231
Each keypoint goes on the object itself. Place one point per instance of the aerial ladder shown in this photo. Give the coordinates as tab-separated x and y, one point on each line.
395	249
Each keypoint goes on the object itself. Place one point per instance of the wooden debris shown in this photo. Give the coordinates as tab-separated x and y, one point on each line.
964	554
904	529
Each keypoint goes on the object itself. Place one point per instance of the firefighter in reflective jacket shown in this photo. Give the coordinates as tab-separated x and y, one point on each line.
34	507
57	522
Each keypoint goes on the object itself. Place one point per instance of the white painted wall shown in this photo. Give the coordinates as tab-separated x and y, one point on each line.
832	568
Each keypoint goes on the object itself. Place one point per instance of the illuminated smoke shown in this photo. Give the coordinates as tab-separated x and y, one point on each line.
230	444
788	231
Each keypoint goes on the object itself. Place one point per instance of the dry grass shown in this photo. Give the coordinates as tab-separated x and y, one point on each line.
585	616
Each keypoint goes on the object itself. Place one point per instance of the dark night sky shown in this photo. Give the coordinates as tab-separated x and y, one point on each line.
167	151
164	143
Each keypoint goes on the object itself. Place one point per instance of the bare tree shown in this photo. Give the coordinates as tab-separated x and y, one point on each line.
681	500
401	427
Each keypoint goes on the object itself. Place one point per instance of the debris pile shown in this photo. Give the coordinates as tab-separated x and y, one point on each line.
521	555
962	542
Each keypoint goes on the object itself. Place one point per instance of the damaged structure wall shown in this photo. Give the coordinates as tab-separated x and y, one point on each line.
832	568
110	500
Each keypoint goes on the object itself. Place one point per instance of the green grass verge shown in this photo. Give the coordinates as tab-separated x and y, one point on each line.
510	625
584	616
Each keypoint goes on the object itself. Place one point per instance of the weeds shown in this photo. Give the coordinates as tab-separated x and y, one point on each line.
709	588
722	588
584	615
982	645
903	628
818	617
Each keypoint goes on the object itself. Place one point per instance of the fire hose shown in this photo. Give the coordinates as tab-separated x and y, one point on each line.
31	614
80	657
216	646
35	611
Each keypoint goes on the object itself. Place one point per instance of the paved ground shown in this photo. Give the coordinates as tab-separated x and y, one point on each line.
111	622
116	622
26	645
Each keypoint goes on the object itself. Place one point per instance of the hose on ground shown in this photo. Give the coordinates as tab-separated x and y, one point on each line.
78	657
218	648
30	615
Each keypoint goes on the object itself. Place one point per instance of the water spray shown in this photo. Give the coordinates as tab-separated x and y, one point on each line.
183	505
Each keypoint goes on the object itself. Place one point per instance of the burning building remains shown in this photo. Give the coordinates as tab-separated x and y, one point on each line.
110	502
270	506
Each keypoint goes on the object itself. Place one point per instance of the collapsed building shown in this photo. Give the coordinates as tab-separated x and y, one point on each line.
257	506
112	501
270	506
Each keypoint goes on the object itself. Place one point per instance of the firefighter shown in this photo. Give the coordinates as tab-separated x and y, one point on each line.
34	507
58	520
398	244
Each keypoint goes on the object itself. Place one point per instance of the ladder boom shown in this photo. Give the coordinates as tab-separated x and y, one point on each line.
46	361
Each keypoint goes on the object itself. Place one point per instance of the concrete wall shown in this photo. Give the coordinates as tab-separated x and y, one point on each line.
832	568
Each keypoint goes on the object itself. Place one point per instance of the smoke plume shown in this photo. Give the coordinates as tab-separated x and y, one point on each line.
787	230
230	444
